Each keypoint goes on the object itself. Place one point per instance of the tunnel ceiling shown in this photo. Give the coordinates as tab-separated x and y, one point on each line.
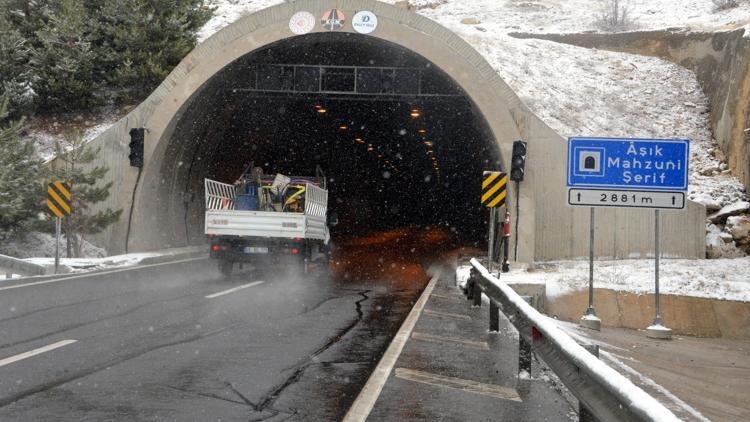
398	140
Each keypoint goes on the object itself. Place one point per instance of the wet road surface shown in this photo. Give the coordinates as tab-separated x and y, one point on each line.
176	342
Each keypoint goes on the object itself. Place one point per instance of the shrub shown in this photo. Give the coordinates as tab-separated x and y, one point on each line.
725	4
615	15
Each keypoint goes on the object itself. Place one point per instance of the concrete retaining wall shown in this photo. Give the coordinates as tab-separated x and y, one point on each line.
685	315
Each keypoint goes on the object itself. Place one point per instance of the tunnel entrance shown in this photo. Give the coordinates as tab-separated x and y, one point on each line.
400	143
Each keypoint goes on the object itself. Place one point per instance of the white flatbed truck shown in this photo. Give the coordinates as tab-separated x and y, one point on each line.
274	230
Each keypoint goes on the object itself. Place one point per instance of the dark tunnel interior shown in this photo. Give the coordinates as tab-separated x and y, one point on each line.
400	144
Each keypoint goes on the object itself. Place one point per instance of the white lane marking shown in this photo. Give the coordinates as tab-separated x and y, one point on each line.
97	274
226	292
366	399
490	390
35	352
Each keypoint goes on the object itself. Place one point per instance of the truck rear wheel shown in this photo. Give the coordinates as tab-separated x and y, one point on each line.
225	267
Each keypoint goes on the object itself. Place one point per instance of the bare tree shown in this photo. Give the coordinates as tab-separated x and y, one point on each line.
615	14
724	4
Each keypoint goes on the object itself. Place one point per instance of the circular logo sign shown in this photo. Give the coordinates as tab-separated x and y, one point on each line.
333	20
302	23
364	22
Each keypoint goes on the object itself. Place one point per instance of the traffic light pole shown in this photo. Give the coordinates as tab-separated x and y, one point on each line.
506	241
518	217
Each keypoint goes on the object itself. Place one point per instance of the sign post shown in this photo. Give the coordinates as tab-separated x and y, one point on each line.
628	173
59	204
494	190
589	319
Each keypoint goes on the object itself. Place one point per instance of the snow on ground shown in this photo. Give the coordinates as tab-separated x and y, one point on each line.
73	265
586	92
229	11
566	16
727	279
39	244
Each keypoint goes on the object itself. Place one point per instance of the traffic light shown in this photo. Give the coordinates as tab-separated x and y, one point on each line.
137	136
518	161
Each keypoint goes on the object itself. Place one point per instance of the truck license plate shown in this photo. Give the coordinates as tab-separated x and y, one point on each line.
255	249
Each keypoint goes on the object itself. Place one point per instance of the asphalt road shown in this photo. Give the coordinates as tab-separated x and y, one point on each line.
176	342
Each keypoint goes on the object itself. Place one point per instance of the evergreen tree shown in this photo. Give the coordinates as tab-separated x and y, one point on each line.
63	62
15	77
140	41
20	188
75	164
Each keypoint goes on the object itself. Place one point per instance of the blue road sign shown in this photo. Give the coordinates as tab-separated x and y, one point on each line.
628	164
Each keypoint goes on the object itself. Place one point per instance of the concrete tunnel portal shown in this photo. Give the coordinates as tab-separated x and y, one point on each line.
258	91
400	143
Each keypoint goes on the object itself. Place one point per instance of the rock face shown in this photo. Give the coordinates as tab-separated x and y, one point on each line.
711	203
739	227
737	208
719	244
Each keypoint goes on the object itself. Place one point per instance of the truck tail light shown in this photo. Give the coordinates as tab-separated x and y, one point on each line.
215	248
294	251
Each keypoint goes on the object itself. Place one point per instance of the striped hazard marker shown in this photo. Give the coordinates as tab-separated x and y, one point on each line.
494	189
59	199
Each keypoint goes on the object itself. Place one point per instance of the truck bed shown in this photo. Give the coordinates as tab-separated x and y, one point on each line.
266	224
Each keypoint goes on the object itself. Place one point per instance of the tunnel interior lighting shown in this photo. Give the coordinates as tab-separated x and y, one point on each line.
322	110
423	131
428	143
359	140
344	127
415	113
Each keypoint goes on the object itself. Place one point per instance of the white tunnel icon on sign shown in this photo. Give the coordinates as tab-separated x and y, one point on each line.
590	162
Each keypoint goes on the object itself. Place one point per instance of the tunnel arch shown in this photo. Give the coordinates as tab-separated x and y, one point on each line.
548	229
491	97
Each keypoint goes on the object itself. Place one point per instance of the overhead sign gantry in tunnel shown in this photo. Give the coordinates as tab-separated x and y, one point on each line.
402	115
398	141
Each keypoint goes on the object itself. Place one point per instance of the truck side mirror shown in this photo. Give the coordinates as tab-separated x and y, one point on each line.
333	219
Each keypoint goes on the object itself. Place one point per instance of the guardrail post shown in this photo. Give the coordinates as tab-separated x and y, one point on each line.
476	295
524	355
524	348
469	287
494	316
584	414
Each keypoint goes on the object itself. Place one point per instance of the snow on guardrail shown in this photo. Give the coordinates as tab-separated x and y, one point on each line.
593	382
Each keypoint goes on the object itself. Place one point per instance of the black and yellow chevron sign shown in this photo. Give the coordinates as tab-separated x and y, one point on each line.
494	189
59	198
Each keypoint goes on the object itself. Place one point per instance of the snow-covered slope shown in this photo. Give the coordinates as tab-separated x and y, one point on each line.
579	91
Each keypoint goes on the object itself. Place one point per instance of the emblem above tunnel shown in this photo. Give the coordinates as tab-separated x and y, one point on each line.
333	20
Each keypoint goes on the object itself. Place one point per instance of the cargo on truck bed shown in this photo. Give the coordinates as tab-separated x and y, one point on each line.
260	218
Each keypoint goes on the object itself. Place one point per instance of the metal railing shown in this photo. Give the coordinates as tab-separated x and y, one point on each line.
10	266
604	394
219	196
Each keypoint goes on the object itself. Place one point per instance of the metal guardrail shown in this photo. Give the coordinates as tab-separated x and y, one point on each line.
604	394
10	265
